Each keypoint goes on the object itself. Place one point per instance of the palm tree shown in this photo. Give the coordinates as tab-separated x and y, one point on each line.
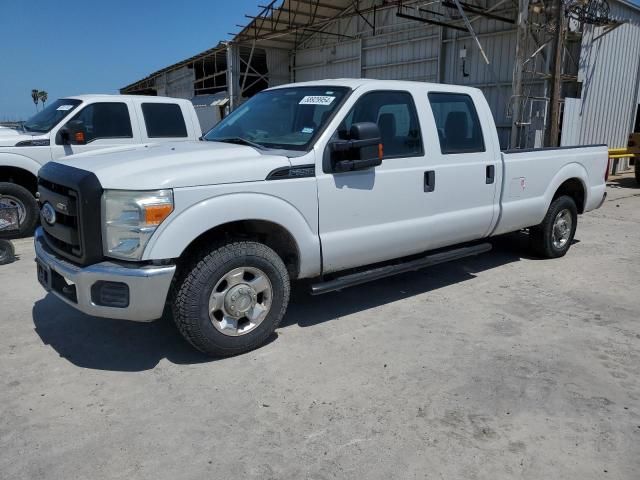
35	97
42	95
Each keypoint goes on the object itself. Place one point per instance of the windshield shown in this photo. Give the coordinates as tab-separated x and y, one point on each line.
285	118
48	118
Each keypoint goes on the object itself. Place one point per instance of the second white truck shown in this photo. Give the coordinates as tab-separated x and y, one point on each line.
337	181
81	124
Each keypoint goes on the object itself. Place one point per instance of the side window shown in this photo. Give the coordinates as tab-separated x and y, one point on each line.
395	114
457	122
164	120
104	120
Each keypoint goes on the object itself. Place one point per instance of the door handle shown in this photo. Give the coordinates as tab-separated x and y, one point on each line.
429	181
491	173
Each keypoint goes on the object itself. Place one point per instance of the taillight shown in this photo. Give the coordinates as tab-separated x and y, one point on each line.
606	170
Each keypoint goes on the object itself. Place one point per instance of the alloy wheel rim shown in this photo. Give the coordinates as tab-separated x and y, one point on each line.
562	226
240	301
11	201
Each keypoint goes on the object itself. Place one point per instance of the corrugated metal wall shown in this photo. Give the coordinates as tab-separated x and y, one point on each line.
340	60
406	49
177	83
609	70
278	66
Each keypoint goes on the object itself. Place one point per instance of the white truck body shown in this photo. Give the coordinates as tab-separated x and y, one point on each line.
24	151
32	157
339	220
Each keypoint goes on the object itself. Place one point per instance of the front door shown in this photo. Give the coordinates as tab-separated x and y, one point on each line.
371	215
104	124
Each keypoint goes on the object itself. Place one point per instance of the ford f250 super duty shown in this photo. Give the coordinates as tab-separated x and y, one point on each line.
336	181
84	123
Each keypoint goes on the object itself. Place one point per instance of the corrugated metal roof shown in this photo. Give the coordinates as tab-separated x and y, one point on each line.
285	24
207	53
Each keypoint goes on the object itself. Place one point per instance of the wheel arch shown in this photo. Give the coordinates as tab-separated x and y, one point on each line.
19	170
271	234
571	180
269	219
574	188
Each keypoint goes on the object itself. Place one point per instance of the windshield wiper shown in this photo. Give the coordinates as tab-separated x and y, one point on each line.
239	141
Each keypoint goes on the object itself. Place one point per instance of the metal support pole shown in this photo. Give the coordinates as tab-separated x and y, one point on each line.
232	76
553	128
521	40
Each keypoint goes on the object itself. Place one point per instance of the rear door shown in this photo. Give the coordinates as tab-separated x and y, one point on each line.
464	166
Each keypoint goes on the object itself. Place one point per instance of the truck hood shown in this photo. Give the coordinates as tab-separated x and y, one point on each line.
177	164
10	136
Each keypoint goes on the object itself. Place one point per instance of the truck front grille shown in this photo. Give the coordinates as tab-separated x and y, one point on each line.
64	233
74	195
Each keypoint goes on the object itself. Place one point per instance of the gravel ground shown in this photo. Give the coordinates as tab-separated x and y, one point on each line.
497	367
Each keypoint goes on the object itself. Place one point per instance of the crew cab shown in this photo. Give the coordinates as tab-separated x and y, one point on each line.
82	124
336	181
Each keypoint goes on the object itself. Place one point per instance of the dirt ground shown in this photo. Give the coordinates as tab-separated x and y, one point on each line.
497	367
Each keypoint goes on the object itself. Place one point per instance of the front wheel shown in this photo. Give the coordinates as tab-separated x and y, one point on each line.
553	237
12	195
231	299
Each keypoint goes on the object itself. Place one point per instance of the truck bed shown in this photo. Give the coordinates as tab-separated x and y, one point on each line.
530	178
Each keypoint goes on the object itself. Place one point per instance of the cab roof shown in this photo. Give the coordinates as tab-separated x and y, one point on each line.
355	83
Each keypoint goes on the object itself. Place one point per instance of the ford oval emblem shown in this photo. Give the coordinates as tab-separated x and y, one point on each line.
48	213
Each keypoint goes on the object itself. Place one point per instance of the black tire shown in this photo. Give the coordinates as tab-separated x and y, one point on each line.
637	169
541	236
196	283
7	252
22	197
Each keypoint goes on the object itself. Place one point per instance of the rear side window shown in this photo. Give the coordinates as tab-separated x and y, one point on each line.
395	114
457	122
164	120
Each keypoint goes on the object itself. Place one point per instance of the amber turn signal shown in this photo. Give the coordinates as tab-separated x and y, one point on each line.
155	214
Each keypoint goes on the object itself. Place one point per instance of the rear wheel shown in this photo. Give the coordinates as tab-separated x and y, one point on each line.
12	195
231	299
553	237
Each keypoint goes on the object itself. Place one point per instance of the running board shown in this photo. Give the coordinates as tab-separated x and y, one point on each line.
381	272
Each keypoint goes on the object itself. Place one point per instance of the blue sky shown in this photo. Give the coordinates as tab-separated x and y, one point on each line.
97	46
72	47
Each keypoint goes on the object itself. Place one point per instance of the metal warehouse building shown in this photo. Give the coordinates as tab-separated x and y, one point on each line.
552	75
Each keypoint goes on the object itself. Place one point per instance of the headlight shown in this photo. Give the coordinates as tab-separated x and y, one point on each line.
130	218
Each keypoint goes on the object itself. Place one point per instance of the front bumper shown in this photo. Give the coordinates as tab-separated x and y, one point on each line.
148	285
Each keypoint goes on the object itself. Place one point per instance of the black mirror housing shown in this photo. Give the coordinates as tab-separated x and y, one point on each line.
64	137
73	133
362	150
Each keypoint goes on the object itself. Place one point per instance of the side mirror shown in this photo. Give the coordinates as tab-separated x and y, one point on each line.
362	150
64	136
73	133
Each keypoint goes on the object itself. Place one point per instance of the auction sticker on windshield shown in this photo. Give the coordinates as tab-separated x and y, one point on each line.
64	108
317	100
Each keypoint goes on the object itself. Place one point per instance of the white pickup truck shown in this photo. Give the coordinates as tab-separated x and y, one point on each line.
337	181
81	124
